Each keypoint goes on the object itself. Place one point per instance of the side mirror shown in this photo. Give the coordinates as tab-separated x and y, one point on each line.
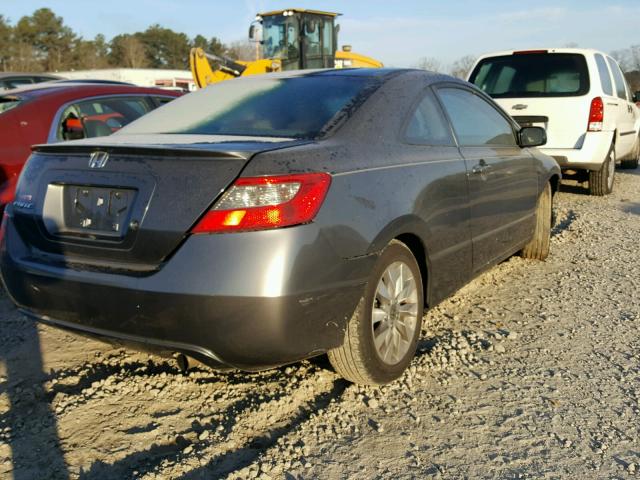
255	32
636	97
532	137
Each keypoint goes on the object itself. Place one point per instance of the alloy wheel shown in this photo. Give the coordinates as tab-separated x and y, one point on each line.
394	316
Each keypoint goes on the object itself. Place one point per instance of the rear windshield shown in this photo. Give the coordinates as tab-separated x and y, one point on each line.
294	107
533	75
9	102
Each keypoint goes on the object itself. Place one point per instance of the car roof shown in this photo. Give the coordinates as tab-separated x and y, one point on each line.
504	53
53	88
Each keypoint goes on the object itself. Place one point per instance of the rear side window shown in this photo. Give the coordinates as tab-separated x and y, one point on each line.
533	75
9	102
618	78
100	117
427	125
475	121
605	78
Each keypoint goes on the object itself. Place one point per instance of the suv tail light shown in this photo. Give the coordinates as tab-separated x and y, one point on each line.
261	203
596	115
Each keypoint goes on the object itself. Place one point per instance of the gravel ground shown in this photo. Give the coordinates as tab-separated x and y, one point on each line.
531	371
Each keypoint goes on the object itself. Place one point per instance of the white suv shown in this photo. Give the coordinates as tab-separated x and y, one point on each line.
579	96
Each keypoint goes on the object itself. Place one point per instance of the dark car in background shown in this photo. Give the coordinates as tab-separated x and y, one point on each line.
54	112
273	218
11	80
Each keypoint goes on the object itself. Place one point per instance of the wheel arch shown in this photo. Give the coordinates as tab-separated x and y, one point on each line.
415	244
554	180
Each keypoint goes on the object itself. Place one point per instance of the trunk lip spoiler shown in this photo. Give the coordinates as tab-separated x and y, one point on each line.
235	150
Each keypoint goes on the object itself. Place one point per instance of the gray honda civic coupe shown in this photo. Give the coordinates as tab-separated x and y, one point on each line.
269	219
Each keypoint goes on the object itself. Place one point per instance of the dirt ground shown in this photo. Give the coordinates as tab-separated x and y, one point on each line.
531	371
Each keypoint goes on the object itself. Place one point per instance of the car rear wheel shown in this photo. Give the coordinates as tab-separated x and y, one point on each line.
538	247
601	181
631	163
382	335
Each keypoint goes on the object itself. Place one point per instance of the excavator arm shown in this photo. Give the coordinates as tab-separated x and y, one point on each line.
225	68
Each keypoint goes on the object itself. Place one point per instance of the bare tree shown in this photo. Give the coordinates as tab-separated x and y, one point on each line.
242	50
461	67
128	51
634	57
24	58
622	57
431	64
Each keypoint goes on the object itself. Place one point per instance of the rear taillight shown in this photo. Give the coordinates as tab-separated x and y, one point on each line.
260	203
596	115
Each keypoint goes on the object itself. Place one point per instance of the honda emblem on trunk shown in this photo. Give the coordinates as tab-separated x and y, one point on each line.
98	159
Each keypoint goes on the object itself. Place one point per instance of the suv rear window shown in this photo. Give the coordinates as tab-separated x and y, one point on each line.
533	75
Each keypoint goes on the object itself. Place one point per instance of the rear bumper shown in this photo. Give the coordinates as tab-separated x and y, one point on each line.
247	300
590	156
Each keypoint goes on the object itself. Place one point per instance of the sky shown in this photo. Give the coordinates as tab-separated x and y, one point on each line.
399	33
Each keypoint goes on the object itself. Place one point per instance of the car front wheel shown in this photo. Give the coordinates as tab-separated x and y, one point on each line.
538	246
382	335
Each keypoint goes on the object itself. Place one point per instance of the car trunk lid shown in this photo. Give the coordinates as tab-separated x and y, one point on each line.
125	203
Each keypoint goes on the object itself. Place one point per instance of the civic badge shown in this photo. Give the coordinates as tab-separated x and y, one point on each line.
98	159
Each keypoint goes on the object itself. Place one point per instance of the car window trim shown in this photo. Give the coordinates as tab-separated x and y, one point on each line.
414	107
515	128
53	129
612	65
609	72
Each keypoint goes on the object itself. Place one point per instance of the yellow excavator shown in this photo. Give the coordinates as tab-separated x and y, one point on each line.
292	39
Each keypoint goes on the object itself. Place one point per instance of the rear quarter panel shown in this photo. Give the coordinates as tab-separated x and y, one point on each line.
381	192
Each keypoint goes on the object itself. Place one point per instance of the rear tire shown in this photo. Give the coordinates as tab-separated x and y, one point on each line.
381	337
538	247
601	181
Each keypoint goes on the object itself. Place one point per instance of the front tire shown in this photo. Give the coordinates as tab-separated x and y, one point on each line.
601	181
538	247
381	337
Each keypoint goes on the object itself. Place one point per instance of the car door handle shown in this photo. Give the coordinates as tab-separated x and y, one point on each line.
481	167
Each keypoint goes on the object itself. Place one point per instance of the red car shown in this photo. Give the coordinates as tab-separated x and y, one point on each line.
54	112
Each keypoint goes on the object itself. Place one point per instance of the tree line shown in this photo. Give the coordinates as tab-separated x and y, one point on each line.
43	43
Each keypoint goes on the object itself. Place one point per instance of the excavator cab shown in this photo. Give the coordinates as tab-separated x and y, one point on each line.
293	39
297	38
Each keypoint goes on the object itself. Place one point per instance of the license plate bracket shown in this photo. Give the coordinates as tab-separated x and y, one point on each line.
95	210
